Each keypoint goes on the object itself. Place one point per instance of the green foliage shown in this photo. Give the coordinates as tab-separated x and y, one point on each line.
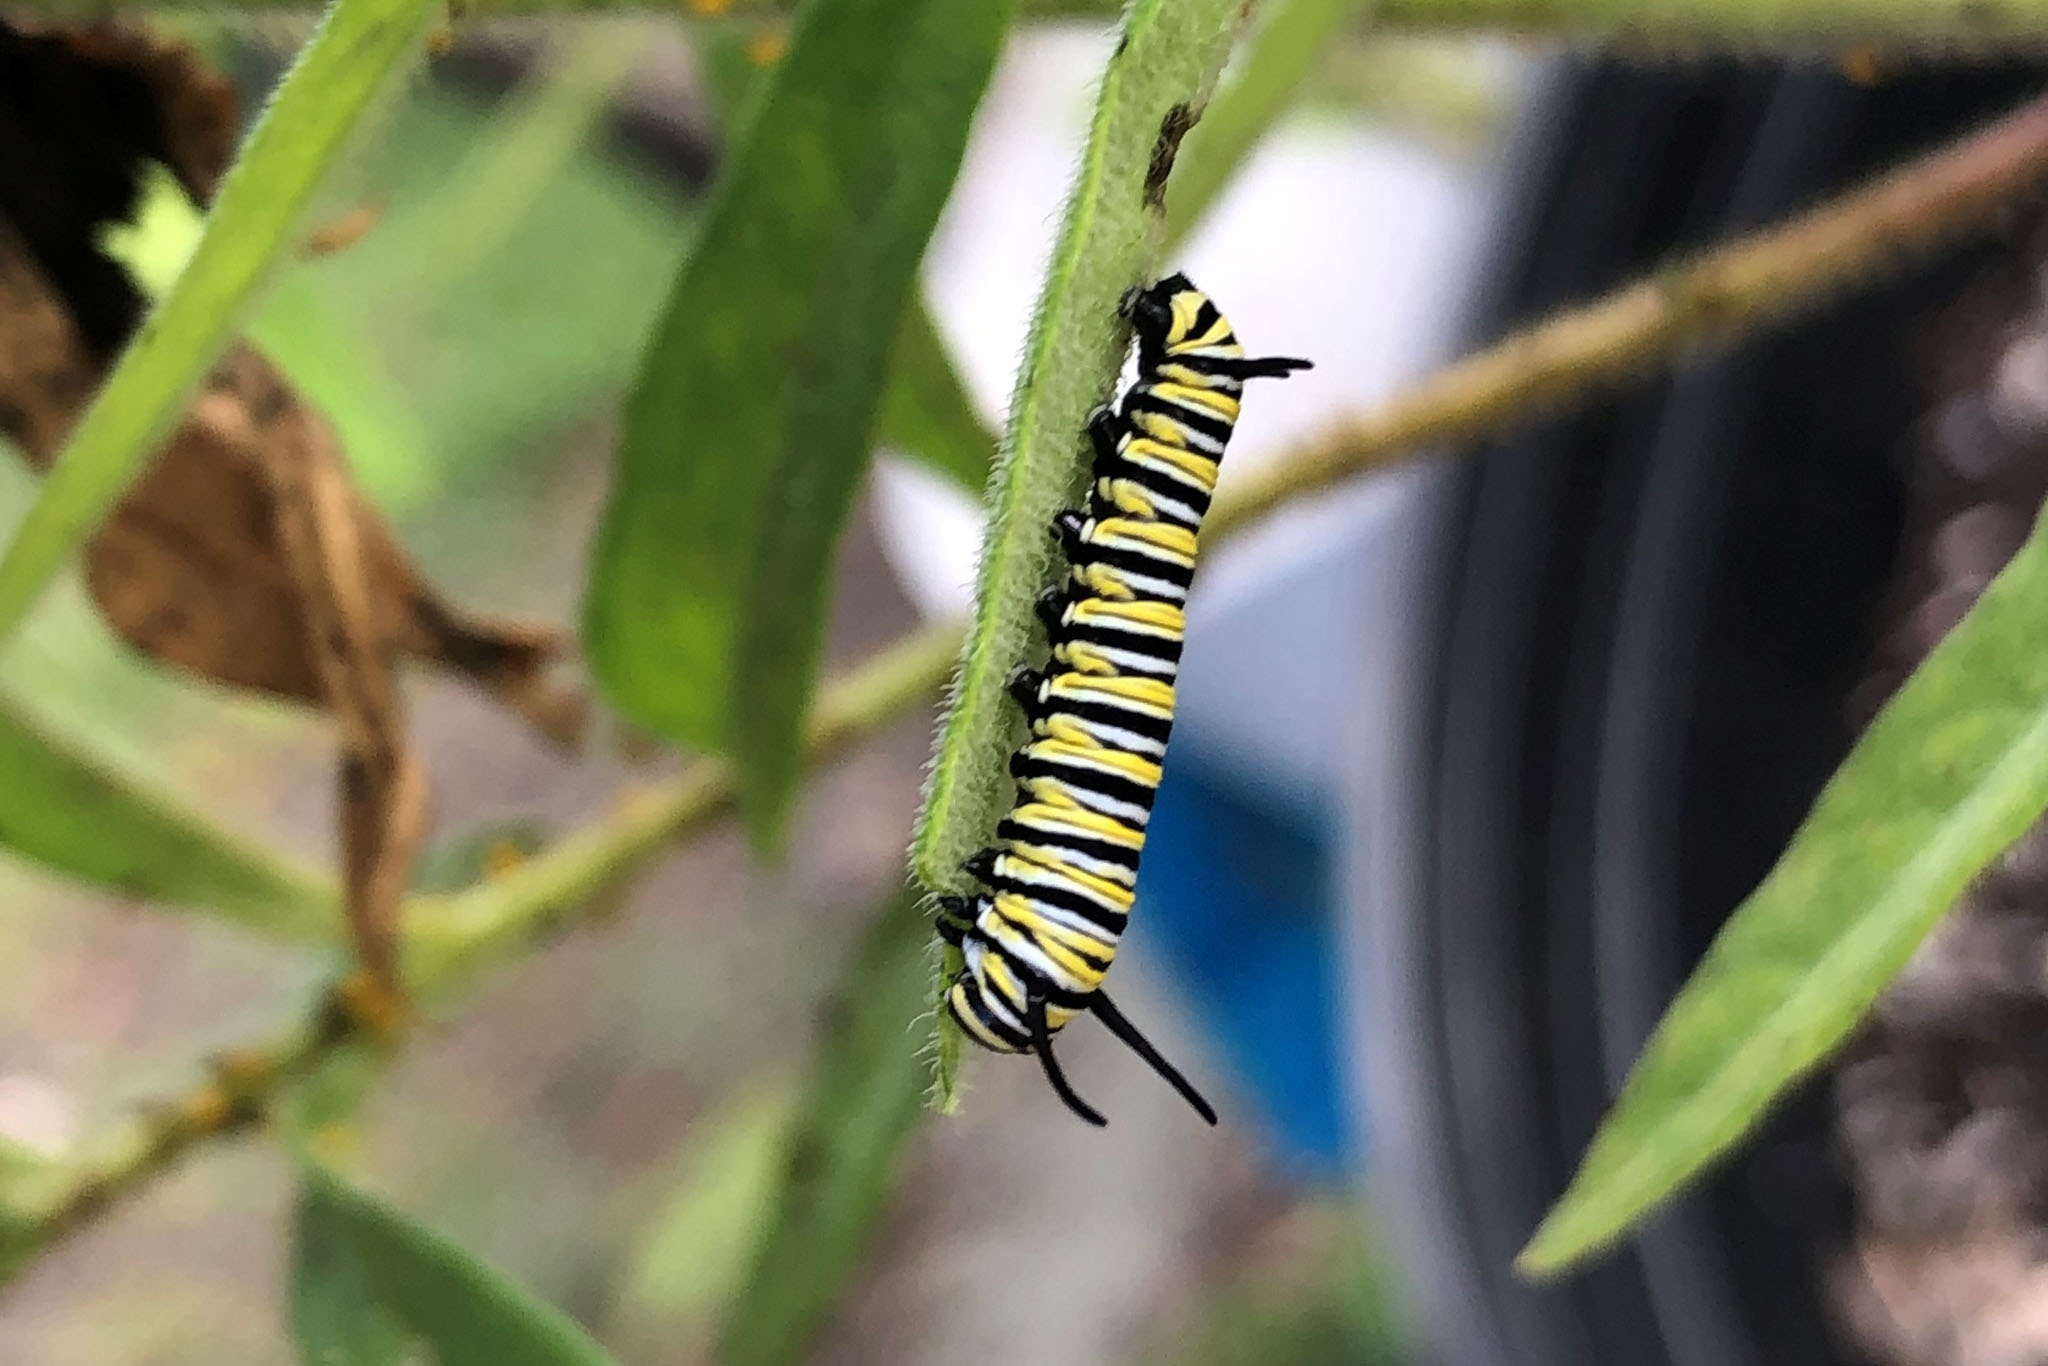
926	413
322	101
701	1242
1951	772
748	433
925	410
862	1102
1332	1302
1161	74
80	814
372	1288
506	300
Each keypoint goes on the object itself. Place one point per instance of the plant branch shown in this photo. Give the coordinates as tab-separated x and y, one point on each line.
450	941
1741	288
1746	286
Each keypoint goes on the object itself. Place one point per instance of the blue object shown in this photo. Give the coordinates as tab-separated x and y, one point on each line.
1238	905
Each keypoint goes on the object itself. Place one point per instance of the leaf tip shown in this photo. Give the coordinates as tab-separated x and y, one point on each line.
1567	1237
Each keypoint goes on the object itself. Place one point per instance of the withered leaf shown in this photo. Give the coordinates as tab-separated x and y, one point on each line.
189	568
244	553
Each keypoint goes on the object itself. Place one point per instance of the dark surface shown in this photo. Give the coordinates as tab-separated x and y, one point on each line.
1655	614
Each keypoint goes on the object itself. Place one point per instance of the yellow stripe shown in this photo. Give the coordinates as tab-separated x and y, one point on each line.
1215	336
1116	894
1089	822
1187	306
1187	395
1164	615
1083	658
1128	496
1164	536
964	1016
1103	581
1101	689
1005	982
1067	729
1050	935
1149	692
1081	974
1050	856
1194	464
1186	374
1131	766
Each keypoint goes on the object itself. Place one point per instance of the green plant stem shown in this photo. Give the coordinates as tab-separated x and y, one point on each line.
1725	293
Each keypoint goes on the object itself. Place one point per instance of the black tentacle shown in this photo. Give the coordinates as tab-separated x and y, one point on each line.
1041	1044
1119	1024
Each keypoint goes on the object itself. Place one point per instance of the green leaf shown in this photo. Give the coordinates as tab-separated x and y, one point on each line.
863	1101
1952	771
372	1288
701	1243
1160	75
748	433
79	814
926	412
355	51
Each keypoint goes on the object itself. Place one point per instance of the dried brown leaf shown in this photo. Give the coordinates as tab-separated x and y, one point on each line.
244	553
189	568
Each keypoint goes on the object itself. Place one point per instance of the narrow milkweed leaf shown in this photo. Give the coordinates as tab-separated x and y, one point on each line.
372	1288
1155	86
860	1107
1952	771
358	47
78	813
748	432
700	1241
926	413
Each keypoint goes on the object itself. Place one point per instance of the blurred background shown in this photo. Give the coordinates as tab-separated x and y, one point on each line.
1548	709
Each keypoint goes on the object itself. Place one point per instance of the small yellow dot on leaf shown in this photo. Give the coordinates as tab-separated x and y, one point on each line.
503	856
767	46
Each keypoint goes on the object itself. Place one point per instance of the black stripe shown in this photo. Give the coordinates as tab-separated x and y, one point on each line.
1015	831
1039	983
1208	367
1111	923
1161	485
1136	562
1110	714
1104	505
1141	400
1106	621
1206	317
1113	786
1164	671
1166	649
976	988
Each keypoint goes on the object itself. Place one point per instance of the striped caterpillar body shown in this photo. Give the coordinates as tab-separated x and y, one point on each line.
1064	869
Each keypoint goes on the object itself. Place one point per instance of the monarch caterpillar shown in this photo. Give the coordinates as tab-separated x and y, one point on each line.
1063	872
